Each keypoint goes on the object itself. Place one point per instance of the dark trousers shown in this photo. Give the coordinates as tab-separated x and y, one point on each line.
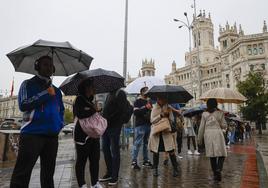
111	150
216	164
188	142
179	141
172	157
90	151
30	148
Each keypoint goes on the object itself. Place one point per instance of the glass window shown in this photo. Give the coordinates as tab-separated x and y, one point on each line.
261	50
199	39
228	85
255	50
249	50
225	44
263	66
195	40
251	67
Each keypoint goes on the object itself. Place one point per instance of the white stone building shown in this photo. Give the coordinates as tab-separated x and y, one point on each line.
207	67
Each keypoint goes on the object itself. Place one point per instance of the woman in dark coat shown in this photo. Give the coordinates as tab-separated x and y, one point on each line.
86	147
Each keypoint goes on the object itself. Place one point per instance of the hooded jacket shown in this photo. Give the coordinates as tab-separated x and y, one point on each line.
42	113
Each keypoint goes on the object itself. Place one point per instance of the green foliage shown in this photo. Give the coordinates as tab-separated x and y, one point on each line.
68	116
253	88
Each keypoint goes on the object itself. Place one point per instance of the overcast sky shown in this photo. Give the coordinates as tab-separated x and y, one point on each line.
97	27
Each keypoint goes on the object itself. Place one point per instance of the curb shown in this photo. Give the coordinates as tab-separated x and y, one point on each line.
263	178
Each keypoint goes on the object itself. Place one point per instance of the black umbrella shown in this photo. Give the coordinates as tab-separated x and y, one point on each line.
103	81
174	94
66	58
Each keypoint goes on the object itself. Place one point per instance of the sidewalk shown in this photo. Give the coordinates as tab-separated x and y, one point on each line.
262	157
239	167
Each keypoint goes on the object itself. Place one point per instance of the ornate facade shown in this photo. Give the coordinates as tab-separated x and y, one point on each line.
209	67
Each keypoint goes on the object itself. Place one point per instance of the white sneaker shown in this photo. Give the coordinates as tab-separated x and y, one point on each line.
196	152
180	157
84	186
97	185
190	152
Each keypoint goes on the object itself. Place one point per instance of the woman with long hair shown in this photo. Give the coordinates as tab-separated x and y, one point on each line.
163	141
86	148
211	129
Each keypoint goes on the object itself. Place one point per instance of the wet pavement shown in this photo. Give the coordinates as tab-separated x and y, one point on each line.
240	170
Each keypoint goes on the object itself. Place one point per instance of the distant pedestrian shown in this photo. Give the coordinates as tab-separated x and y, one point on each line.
163	141
86	148
117	111
248	130
211	126
189	131
42	107
142	112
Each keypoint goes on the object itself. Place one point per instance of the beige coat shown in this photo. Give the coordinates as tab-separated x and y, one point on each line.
168	138
211	130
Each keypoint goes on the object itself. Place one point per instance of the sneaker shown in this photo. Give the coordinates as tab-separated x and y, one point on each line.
196	152
84	186
180	157
190	152
135	165
97	185
113	182
147	164
106	177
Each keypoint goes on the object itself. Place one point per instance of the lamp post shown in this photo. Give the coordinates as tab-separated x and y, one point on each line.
189	27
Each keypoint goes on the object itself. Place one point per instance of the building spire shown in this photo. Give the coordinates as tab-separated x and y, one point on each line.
264	29
241	32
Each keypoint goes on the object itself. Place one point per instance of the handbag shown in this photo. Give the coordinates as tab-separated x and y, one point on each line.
94	126
162	125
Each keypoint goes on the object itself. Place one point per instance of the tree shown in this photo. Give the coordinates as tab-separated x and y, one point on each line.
256	108
68	116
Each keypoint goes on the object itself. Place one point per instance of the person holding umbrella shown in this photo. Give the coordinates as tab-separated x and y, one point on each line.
86	147
142	112
117	110
163	141
41	103
211	129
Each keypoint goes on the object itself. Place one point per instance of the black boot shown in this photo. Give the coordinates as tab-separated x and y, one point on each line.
174	164
155	164
219	168
213	162
155	172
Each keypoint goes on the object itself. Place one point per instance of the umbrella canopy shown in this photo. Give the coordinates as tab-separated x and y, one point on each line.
145	81
224	95
103	81
194	111
235	119
174	94
66	58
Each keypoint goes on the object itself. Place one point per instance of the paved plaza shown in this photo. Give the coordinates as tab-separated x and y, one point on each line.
240	170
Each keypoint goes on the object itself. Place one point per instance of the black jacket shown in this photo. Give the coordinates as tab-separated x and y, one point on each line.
83	108
142	114
114	106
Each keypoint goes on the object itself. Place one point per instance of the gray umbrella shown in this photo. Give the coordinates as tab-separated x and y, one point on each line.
103	81
174	94
66	58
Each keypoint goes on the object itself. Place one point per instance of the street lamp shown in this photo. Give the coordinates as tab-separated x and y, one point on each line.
189	27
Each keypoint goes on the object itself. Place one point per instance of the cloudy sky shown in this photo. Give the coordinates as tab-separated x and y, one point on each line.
97	27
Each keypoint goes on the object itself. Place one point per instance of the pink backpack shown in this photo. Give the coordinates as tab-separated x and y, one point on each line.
94	126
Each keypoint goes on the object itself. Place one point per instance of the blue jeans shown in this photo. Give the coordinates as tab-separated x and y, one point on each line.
142	134
232	137
111	150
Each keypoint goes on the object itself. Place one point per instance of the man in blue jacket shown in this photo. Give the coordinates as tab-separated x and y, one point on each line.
42	107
